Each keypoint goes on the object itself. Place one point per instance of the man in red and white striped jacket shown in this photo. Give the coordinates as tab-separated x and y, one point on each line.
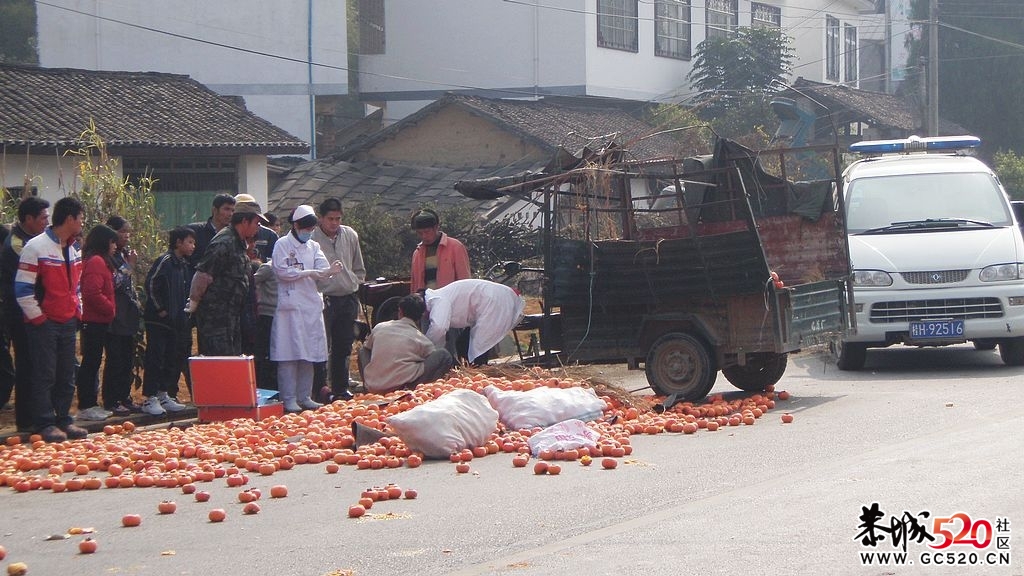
48	291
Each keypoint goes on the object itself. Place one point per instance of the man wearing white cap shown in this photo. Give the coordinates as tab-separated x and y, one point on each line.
298	338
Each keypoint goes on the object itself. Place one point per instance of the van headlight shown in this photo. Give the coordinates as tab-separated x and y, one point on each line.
871	278
1000	272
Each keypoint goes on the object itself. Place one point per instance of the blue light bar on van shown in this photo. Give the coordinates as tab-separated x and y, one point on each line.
915	144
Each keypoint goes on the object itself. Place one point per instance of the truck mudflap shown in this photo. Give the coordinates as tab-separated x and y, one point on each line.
811	314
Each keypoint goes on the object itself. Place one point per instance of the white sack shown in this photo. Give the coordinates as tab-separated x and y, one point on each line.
457	420
544	406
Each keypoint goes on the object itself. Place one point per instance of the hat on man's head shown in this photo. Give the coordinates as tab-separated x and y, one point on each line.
304	216
242	207
425	218
246	199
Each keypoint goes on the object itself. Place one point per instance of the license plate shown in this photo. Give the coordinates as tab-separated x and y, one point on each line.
937	329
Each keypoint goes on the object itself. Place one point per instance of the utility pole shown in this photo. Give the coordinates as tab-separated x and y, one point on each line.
933	68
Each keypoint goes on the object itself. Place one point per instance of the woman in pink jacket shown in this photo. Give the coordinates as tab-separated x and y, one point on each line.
97	314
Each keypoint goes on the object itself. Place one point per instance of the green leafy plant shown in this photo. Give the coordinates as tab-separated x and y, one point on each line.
104	193
1010	168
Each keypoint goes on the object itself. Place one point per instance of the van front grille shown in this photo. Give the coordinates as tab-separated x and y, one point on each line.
955	308
935	276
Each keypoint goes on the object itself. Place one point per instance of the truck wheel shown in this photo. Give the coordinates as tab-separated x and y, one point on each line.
760	371
849	355
680	364
1011	351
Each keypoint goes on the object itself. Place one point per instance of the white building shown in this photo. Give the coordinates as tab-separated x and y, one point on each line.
276	55
280	55
413	51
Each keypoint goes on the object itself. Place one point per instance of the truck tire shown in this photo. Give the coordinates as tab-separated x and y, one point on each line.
849	355
1011	351
680	364
760	371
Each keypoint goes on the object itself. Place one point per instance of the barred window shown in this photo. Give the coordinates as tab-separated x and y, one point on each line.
831	48
850	54
371	26
617	24
722	17
765	16
672	29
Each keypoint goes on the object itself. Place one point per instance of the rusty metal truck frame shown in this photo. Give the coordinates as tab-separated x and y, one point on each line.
739	260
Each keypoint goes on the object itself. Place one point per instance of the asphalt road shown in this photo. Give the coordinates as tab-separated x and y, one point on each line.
938	431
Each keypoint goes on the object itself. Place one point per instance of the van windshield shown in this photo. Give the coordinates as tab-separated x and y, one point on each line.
896	203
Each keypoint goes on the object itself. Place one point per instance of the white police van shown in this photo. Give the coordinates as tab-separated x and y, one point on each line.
936	253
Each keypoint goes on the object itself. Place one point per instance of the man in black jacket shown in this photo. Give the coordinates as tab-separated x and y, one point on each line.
33	218
168	328
223	208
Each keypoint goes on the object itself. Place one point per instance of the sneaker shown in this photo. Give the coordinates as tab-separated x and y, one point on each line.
153	407
52	434
122	409
75	432
170	404
94	413
308	403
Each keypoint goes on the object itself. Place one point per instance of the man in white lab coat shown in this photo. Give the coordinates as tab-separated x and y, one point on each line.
487	308
298	338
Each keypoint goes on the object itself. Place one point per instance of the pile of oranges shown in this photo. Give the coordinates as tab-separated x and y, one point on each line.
125	457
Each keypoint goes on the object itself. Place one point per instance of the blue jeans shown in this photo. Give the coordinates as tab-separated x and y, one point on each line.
53	371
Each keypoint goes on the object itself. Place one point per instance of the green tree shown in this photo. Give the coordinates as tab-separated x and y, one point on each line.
387	241
751	61
981	68
1010	168
18	32
104	193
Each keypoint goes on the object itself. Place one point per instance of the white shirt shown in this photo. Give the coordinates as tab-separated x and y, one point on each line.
488	308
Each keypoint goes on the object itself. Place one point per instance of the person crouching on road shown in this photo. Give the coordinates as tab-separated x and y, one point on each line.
298	336
487	308
397	355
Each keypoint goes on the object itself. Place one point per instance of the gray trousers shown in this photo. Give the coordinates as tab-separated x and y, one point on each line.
53	372
435	365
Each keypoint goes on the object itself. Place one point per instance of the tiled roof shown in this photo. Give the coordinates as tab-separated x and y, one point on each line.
394	187
51	107
552	122
874	108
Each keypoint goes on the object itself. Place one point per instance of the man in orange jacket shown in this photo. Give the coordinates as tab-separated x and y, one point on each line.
438	261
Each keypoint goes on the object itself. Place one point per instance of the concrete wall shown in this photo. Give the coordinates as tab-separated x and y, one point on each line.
56	176
52	175
442	45
455	138
269	67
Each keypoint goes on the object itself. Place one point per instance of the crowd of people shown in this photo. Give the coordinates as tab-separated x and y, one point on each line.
70	306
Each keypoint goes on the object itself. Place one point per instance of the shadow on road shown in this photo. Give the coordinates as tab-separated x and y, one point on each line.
950	362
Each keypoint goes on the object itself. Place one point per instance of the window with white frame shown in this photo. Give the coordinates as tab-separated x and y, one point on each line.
765	16
850	54
831	48
617	24
672	28
722	17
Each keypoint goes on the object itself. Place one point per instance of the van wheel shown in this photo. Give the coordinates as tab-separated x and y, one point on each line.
849	355
680	364
760	371
1011	351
